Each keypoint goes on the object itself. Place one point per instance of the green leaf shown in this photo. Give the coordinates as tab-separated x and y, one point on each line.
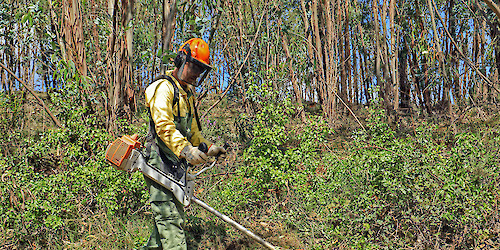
25	17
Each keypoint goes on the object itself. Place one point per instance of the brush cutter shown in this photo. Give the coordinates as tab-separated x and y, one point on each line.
124	154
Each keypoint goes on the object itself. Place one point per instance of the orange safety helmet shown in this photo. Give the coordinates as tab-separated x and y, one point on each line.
196	51
199	50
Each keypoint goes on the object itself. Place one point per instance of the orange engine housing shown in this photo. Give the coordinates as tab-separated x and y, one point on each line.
120	149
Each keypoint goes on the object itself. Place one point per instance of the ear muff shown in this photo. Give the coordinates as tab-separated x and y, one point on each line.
182	56
179	59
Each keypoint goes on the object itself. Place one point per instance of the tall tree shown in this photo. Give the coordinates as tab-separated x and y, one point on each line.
120	102
168	28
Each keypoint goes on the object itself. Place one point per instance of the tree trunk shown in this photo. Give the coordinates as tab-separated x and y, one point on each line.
454	63
388	89
426	90
446	104
365	82
296	88
482	53
310	51
416	77
355	81
496	37
404	89
394	55
3	77
378	53
73	35
168	28
126	68
331	48
344	43
315	12
74	42
155	46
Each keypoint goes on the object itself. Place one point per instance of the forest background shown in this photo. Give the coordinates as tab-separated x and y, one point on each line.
351	124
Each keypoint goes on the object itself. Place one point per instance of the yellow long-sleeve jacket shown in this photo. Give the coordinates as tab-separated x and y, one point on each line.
159	98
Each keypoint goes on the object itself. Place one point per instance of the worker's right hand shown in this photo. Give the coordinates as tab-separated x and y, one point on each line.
193	155
217	151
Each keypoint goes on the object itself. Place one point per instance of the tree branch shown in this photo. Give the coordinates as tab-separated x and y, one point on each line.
466	60
493	7
33	93
239	70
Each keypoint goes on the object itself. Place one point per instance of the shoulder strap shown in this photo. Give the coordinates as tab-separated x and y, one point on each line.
176	94
176	99
196	115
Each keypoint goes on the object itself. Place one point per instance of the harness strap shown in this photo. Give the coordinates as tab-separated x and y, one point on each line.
176	95
151	136
174	169
176	100
197	117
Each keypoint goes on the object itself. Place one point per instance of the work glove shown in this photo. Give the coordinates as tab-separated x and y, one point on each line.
216	151
193	155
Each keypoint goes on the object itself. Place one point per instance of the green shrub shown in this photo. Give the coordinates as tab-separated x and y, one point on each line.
59	176
278	154
383	188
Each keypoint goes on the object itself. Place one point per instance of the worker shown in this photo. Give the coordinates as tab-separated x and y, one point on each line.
174	137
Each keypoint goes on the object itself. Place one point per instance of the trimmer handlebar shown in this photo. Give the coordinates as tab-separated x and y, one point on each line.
203	147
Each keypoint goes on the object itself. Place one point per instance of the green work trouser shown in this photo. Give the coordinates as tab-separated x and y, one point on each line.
168	232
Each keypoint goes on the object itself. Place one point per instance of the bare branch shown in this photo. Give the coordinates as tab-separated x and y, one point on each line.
239	70
33	93
493	7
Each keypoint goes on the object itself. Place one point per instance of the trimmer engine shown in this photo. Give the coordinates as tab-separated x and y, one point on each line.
120	151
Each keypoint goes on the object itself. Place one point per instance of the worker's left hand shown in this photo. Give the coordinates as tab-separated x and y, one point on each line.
193	155
216	151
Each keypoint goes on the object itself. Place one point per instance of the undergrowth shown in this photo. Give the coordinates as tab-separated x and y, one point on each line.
55	181
295	183
382	188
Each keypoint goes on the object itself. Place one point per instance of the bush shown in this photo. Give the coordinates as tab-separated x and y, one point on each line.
410	190
59	177
383	189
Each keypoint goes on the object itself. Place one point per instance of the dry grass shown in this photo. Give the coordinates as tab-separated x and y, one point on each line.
106	232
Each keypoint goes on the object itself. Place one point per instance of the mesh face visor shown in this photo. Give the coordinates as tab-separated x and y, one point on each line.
200	67
196	66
